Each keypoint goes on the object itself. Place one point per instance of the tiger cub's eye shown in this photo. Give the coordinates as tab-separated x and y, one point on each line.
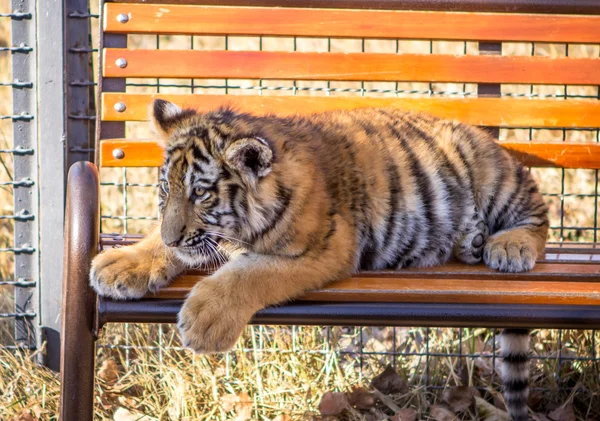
200	195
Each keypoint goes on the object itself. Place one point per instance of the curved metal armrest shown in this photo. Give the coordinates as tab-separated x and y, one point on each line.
82	223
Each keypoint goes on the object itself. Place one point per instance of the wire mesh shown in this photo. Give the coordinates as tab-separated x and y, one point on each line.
18	279
565	363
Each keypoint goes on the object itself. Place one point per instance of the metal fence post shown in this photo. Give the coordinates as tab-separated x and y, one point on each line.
81	113
52	169
25	177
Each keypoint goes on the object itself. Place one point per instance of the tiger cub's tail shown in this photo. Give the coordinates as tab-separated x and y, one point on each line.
515	371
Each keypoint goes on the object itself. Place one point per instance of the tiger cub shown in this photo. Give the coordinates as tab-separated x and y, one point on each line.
296	202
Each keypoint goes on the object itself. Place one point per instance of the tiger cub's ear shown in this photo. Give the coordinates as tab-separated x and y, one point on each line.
252	157
166	117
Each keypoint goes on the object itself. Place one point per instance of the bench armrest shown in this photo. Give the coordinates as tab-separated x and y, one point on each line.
82	223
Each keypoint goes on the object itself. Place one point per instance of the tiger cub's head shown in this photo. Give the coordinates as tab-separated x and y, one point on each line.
217	171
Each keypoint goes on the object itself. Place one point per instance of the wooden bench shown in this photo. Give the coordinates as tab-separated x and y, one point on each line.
562	291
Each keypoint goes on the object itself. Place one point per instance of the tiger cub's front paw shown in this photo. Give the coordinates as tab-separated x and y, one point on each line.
209	321
510	252
127	273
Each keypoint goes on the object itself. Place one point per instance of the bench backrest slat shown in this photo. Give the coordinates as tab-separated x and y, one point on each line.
383	24
136	153
501	112
350	67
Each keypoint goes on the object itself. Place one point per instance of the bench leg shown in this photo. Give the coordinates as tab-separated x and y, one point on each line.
79	300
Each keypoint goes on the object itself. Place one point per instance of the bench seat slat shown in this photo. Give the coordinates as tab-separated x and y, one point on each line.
498	112
436	288
535	154
551	282
544	271
215	20
351	66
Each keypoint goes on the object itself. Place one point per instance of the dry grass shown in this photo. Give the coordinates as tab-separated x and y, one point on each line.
286	370
142	368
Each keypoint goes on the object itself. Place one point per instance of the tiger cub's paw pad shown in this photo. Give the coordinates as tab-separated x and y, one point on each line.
508	255
479	238
470	248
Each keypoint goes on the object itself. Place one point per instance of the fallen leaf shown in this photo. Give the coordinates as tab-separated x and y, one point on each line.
563	413
375	415
37	410
24	416
241	404
243	408
389	382
539	417
361	398
228	402
535	400
488	412
484	366
405	414
122	414
333	403
127	401
371	417
387	401
499	401
441	413
108	371
282	417
460	398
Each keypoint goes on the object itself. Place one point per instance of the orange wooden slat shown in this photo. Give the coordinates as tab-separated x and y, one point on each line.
351	66
269	21
136	153
556	154
554	271
395	287
535	154
503	112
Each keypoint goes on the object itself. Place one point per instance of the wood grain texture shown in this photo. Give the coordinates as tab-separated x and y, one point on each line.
549	283
556	154
583	7
503	112
214	20
351	66
148	153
